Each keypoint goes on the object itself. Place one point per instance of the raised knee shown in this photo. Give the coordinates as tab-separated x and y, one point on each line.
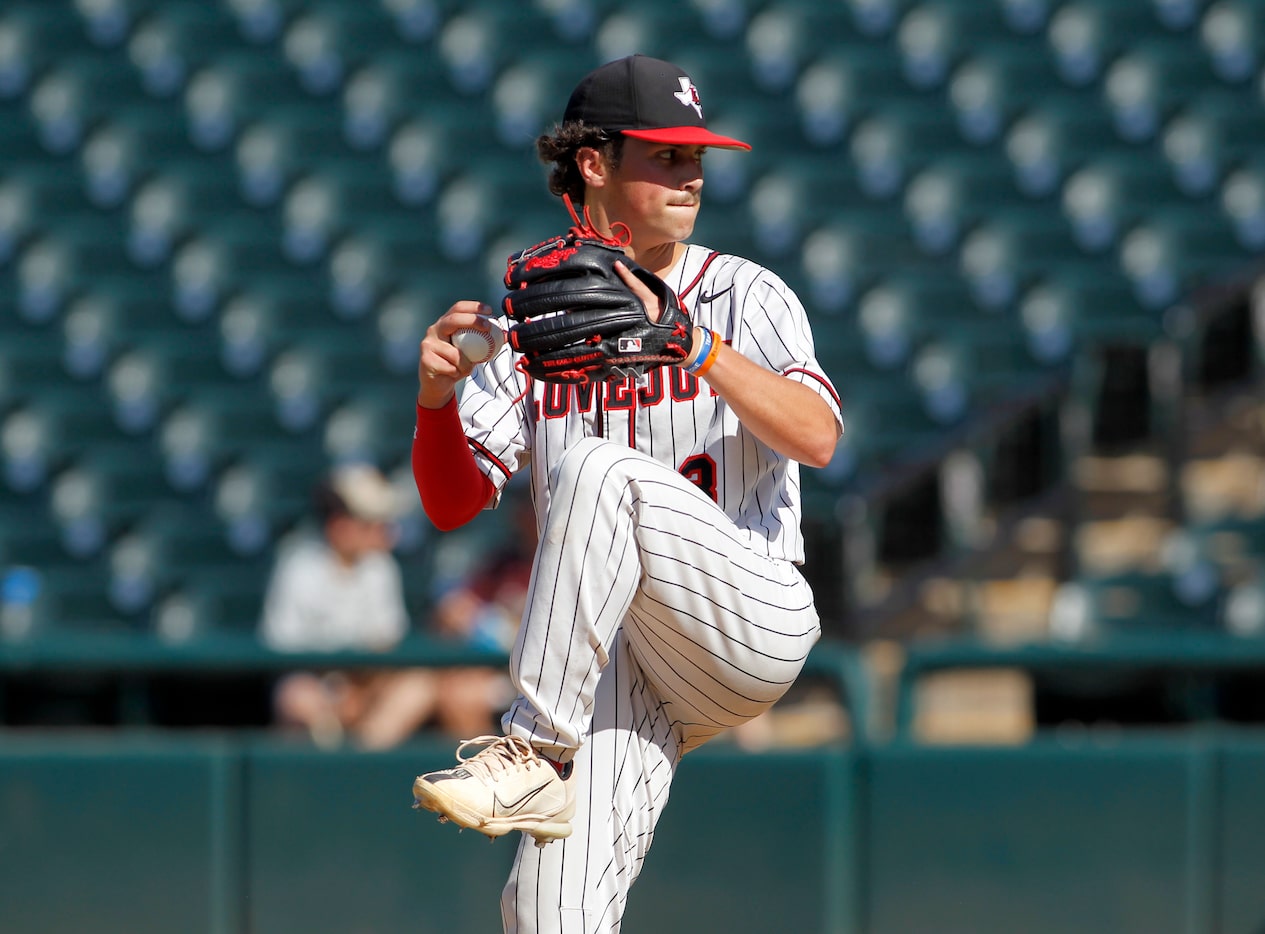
579	460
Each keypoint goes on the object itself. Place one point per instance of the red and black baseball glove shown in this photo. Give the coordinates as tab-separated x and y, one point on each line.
576	319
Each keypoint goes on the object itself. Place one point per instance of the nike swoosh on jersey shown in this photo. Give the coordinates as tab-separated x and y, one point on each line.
704	298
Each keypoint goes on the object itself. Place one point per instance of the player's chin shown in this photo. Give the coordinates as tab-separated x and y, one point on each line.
681	221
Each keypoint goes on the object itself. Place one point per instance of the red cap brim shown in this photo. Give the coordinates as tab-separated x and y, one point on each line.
688	136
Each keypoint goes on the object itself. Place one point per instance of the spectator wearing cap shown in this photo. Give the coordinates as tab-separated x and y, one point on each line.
343	590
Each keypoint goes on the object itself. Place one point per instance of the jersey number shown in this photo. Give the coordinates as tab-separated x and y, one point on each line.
700	470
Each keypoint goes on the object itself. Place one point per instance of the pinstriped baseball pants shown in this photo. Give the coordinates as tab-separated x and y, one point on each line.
651	626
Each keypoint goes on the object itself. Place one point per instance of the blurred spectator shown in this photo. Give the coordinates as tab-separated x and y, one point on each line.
484	610
343	590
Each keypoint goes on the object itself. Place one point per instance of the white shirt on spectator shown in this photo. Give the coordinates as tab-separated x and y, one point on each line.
315	603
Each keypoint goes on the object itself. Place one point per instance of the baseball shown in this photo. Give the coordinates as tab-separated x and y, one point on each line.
477	345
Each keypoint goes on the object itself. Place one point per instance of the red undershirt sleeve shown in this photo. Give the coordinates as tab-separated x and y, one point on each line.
452	487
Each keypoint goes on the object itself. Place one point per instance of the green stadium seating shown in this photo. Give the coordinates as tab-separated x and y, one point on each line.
953	194
231	192
1111	193
889	146
932	35
1140	603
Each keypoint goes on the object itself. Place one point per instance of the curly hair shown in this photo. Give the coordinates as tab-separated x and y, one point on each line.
560	148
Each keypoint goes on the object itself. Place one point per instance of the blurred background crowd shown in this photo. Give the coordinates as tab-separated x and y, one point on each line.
1028	234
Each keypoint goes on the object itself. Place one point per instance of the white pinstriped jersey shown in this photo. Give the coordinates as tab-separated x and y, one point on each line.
669	414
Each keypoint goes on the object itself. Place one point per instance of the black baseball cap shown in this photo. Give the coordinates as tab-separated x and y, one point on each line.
645	98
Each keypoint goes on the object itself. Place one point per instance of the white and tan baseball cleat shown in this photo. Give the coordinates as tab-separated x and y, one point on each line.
506	786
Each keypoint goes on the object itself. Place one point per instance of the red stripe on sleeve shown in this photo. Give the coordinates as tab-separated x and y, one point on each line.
452	487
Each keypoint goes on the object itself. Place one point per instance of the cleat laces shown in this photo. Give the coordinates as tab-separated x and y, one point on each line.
502	754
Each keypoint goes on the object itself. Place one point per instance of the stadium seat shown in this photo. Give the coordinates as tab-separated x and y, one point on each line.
370	107
952	194
1087	36
989	88
1142	603
1110	193
1233	34
359	275
174	204
371	427
911	308
213	599
32	35
260	497
73	95
27	451
321	46
1178	15
334	200
401	322
280	145
1173	249
932	36
107	23
75	599
238	87
1242	201
1208	137
628	31
876	17
891	431
260	22
1026	17
29	539
890	145
1052	137
784	37
1147	81
1245	609
1072	310
529	93
109	482
1234	542
1012	247
837	87
176	39
473	48
979	367
842	258
118	154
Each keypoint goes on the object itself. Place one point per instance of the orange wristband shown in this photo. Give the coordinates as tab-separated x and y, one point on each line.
712	353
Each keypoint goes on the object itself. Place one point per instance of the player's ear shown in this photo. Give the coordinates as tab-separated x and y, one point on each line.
592	165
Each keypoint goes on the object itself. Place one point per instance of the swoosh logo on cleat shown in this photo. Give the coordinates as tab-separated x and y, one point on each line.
510	805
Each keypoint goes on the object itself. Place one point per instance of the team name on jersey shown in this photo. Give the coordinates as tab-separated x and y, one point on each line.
664	384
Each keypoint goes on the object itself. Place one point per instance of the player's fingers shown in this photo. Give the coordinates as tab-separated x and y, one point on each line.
462	315
638	288
440	365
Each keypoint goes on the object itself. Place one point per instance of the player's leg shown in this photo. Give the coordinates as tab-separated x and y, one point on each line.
585	575
720	629
621	775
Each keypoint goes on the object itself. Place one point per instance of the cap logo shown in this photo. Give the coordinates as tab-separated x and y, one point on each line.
688	95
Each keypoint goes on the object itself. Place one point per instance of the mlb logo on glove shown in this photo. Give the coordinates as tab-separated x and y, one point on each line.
630	345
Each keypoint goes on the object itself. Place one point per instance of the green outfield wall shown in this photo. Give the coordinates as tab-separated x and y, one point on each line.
163	833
